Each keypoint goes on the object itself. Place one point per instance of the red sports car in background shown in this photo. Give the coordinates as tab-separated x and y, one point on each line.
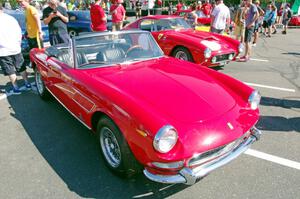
173	119
178	39
295	21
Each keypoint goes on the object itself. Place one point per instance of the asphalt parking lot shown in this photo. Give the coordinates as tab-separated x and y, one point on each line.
46	153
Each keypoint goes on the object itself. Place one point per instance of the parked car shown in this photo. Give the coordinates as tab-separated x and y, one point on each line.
80	21
173	119
295	21
20	17
178	39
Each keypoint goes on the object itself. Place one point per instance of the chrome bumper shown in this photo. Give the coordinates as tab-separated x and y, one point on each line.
189	176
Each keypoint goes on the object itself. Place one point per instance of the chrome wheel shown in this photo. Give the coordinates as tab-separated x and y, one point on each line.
181	55
110	147
39	82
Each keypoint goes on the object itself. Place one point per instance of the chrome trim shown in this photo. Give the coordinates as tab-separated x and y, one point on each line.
190	176
94	34
224	61
169	165
69	110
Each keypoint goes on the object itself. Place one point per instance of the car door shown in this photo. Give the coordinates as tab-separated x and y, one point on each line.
68	88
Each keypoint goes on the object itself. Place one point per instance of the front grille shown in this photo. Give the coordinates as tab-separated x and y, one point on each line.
196	159
214	153
220	58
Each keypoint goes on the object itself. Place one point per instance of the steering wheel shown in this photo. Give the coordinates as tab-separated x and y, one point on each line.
132	48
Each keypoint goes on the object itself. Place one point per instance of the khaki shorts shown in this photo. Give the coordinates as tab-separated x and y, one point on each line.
117	26
239	31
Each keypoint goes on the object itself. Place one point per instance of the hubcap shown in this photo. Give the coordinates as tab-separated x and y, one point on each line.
110	147
39	82
181	55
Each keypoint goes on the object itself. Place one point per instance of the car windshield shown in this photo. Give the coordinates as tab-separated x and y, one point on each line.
172	24
105	49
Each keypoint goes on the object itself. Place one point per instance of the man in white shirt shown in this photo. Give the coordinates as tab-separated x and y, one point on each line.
220	18
11	58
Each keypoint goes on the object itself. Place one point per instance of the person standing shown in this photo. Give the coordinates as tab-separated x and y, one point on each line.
33	25
206	8
286	17
138	9
11	59
220	18
258	22
98	17
179	6
118	15
251	17
56	18
239	21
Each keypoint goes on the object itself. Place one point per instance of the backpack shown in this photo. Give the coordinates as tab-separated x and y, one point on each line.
289	14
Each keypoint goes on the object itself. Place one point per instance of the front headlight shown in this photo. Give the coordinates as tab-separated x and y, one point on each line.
254	100
165	139
241	48
207	53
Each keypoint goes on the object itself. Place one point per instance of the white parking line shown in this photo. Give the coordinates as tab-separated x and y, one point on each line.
272	158
271	87
261	60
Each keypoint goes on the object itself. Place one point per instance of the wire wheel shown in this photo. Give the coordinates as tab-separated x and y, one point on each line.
110	147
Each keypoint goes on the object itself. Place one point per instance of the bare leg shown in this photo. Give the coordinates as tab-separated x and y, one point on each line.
13	80
24	76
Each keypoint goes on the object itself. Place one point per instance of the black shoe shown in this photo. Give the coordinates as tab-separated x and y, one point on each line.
284	32
275	31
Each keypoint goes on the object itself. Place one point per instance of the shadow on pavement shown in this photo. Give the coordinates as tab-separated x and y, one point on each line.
279	123
291	53
284	103
73	152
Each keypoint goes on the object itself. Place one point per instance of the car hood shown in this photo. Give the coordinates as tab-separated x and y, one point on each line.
207	39
175	89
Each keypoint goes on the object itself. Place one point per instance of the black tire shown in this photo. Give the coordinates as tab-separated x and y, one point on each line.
121	160
183	54
40	85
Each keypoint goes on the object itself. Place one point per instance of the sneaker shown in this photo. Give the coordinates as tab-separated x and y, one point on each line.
284	32
268	35
16	91
275	31
244	59
254	44
27	86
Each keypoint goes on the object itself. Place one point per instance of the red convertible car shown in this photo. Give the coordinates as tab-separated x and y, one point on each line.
178	39
172	119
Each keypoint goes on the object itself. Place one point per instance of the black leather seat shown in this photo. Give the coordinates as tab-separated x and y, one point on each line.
66	58
111	55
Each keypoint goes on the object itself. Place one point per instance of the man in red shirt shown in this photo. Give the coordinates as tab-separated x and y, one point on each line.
117	15
206	8
179	6
98	17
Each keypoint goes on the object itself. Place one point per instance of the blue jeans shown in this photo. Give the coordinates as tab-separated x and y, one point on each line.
58	38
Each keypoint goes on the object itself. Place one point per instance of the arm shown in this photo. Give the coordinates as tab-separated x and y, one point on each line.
64	18
38	22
